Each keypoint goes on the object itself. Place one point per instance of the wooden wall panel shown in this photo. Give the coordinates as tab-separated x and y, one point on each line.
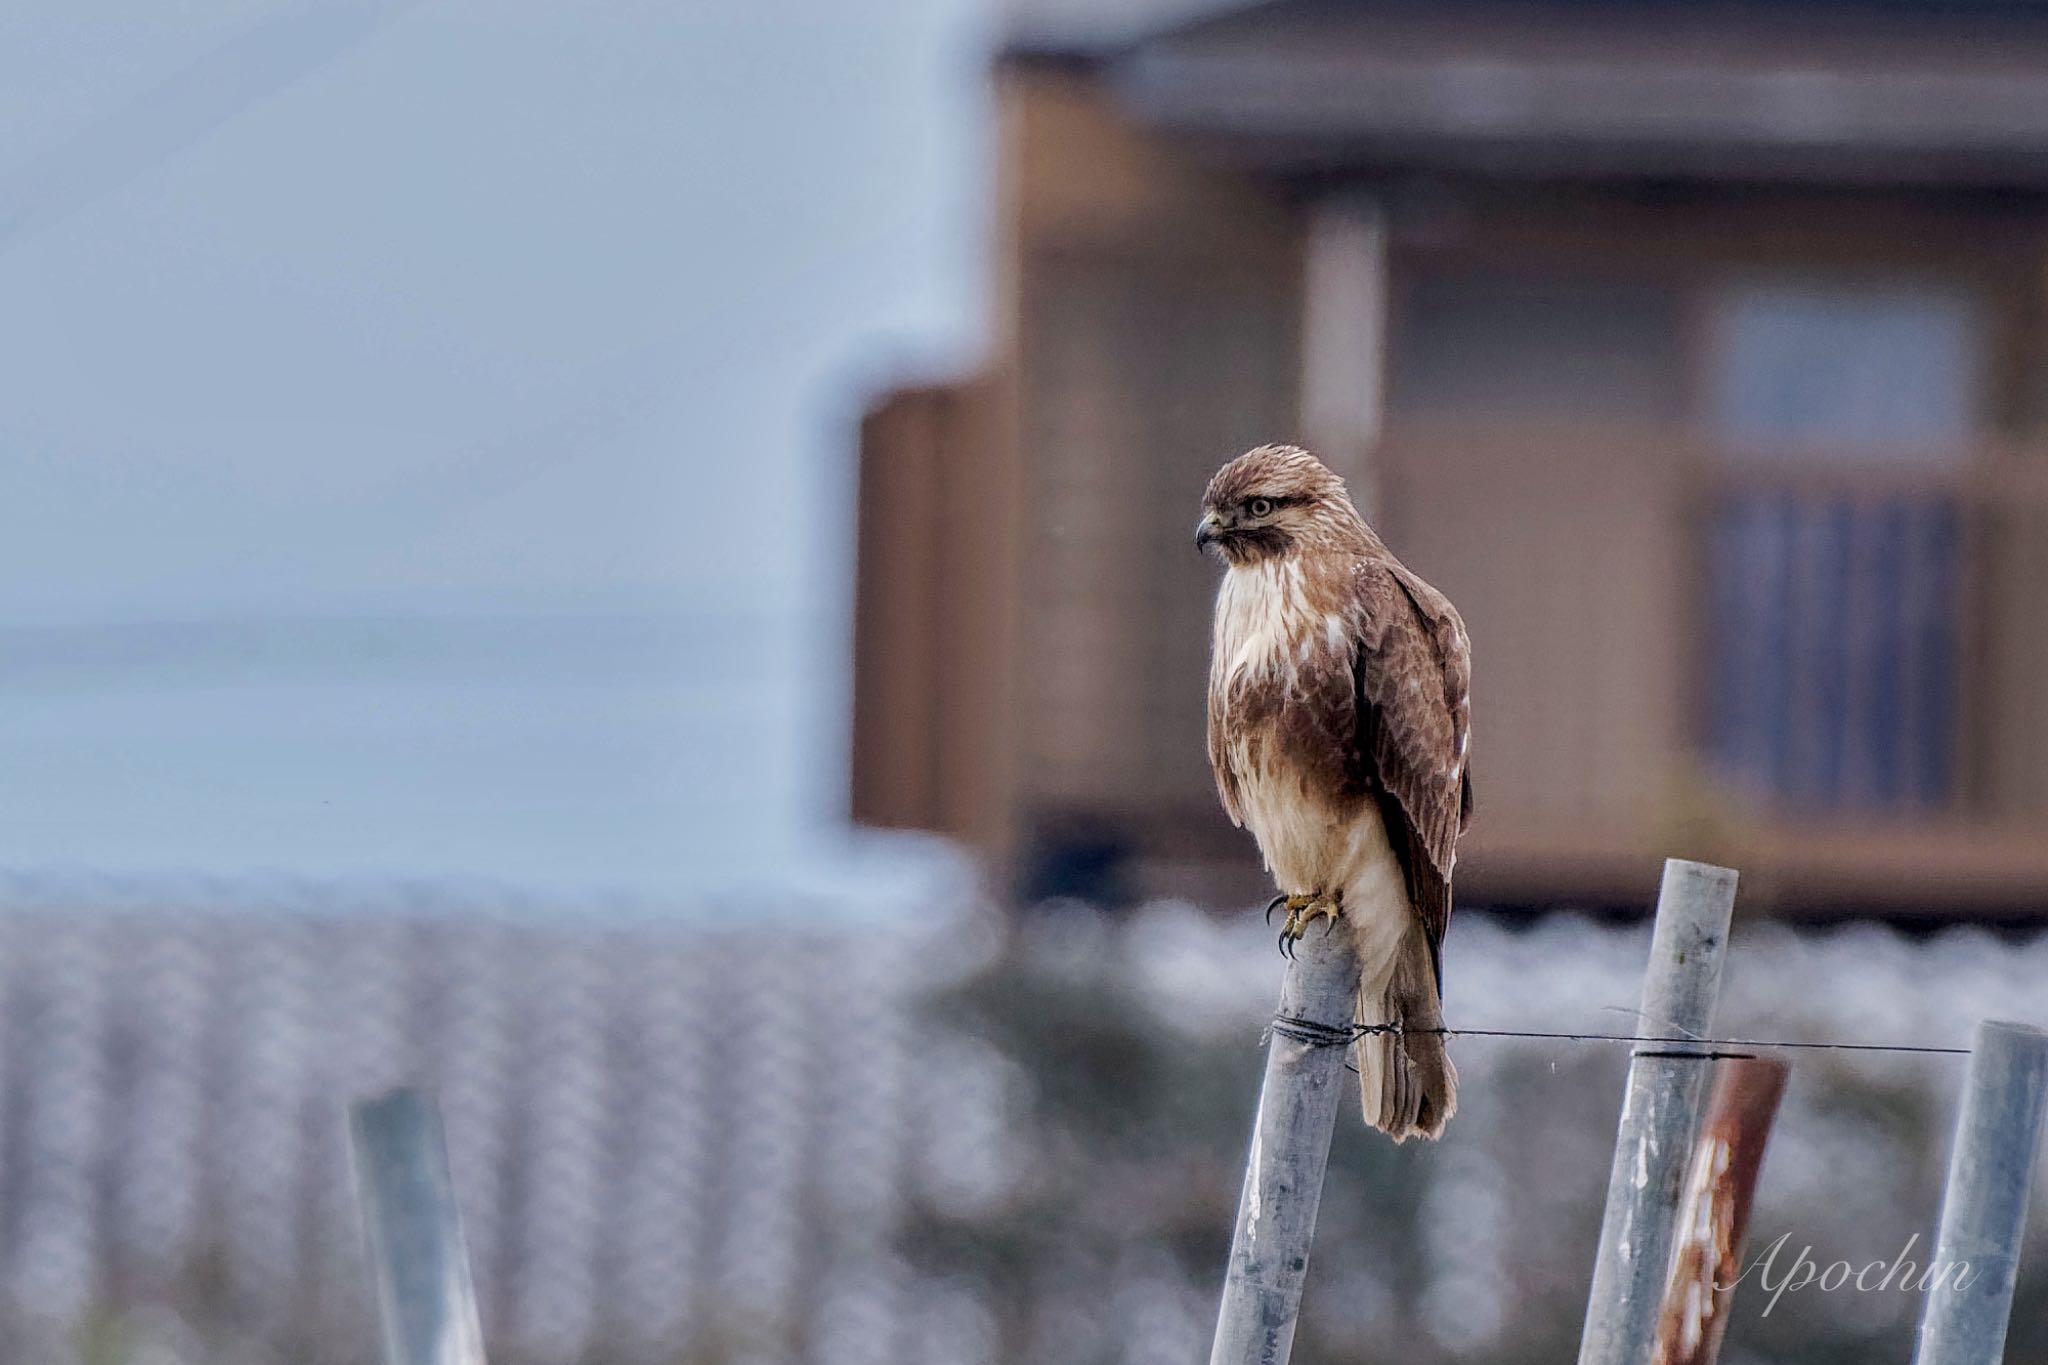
1563	552
925	613
2009	689
1140	383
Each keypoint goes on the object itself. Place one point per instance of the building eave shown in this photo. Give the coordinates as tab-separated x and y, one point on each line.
1554	95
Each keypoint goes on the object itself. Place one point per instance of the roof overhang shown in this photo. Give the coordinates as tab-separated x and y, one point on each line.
1570	91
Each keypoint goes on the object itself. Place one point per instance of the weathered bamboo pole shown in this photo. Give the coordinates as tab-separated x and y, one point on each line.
1984	1206
1714	1213
424	1295
1283	1179
1659	1114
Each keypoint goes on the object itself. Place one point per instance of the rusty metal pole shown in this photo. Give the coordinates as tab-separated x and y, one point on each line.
1714	1216
1666	1082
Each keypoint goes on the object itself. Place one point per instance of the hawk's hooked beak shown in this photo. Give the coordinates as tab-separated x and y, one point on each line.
1208	530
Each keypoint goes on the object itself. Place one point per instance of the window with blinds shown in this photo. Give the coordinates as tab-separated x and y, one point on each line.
1833	597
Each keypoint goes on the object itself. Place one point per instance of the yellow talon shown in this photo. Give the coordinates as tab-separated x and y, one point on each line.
1302	911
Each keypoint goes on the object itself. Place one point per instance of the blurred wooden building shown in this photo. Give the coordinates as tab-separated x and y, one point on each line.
1698	351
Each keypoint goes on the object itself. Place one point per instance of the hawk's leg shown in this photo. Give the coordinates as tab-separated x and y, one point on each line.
1303	911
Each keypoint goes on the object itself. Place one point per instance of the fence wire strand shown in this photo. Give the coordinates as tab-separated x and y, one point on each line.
1324	1035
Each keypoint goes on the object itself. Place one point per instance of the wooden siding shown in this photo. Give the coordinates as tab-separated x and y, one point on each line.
1565	555
925	613
2008	746
1140	383
1148	319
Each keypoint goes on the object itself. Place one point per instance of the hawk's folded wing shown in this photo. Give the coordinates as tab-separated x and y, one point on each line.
1413	671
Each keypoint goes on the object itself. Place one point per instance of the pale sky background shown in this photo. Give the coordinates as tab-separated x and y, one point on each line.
426	428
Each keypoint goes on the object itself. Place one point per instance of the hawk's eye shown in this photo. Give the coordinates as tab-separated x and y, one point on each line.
1260	507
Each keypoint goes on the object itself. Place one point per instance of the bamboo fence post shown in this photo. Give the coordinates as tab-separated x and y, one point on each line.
1714	1214
424	1295
1290	1150
1984	1206
1658	1114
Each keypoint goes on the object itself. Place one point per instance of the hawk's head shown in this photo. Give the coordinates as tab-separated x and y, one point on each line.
1272	501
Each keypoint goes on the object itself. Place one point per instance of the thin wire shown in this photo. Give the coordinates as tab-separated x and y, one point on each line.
1716	1042
1325	1035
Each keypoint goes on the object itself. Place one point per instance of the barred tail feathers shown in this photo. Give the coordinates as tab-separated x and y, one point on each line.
1407	1085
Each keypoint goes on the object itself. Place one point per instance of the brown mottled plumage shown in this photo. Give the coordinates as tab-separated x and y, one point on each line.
1338	727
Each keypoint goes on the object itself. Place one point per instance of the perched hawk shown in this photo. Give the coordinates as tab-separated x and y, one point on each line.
1338	728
